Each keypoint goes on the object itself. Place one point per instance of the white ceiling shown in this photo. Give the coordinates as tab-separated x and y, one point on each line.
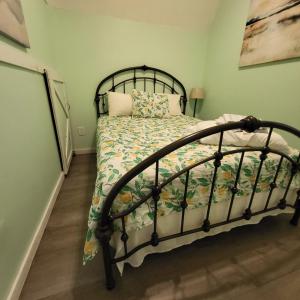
187	14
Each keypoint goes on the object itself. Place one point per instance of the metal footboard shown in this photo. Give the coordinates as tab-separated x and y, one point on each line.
250	124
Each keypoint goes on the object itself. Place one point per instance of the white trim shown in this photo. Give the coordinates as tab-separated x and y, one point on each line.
82	151
19	281
12	56
54	75
15	57
68	162
58	103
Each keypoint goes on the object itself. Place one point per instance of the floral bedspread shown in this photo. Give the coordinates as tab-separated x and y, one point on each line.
123	142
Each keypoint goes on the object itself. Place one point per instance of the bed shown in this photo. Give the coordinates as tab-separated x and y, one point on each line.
158	188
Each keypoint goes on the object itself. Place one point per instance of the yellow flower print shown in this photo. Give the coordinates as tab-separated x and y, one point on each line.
203	189
133	155
227	175
222	191
154	145
189	201
191	162
96	200
252	179
126	197
172	156
89	247
109	143
168	163
264	186
165	195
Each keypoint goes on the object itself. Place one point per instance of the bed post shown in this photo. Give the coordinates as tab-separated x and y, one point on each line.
104	234
296	216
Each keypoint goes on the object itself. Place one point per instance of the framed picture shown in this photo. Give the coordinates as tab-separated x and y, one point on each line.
12	23
272	32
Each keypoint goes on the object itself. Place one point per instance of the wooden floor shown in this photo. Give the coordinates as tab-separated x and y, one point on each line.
254	262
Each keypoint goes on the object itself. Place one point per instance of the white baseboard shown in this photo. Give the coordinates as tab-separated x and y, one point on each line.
22	273
82	151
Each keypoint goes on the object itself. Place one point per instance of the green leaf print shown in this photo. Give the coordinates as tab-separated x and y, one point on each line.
247	172
226	167
203	181
150	215
89	234
164	172
111	177
190	194
110	153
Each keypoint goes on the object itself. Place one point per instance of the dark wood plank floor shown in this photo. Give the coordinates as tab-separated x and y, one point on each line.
252	262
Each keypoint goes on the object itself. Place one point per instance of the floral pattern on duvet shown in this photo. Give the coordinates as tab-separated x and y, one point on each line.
123	142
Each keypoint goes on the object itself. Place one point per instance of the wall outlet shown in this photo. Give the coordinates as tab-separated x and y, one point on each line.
81	130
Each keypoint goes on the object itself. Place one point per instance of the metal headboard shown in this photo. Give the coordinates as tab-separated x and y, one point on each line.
146	76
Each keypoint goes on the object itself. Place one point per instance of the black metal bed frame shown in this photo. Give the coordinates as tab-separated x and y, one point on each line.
168	84
250	124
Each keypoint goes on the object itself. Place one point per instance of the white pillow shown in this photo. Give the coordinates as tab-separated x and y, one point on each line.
119	104
174	104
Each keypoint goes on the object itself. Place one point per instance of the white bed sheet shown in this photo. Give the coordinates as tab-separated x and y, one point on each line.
194	218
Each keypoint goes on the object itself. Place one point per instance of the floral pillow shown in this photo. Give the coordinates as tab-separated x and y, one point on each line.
148	105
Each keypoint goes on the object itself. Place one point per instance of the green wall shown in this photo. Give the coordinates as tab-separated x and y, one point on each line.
29	165
270	91
86	48
37	17
29	160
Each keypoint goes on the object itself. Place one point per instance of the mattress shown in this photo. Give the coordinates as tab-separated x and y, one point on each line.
123	142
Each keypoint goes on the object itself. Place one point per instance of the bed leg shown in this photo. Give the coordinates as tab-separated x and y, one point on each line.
108	266
104	236
296	216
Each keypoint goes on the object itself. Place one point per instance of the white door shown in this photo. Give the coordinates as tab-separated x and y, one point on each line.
61	113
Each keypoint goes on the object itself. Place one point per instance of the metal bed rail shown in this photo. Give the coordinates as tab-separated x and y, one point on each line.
149	78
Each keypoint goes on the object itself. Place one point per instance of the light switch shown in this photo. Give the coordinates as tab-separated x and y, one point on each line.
81	130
